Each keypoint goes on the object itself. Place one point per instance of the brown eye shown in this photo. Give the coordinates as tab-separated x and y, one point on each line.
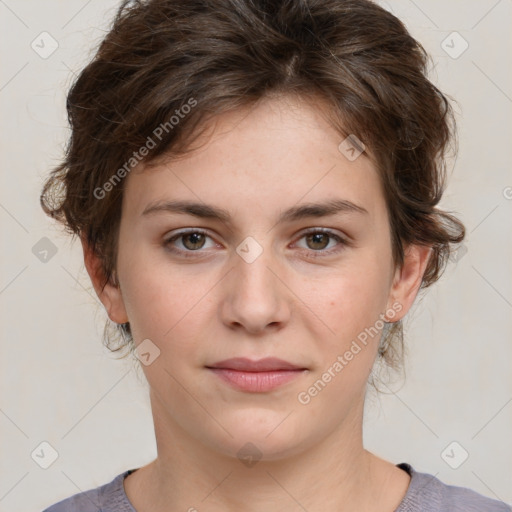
193	241
318	241
186	243
321	242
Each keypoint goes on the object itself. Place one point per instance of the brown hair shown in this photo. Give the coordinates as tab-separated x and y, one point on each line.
168	60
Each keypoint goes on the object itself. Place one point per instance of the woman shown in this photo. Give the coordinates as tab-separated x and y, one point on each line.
255	186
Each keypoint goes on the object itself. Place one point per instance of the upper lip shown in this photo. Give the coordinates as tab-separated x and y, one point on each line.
266	364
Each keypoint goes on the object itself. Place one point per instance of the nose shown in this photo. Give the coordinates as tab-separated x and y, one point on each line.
255	298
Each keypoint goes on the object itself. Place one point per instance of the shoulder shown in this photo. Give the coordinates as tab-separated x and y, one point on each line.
428	493
109	497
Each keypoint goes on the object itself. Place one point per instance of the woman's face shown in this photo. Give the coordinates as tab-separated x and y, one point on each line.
255	284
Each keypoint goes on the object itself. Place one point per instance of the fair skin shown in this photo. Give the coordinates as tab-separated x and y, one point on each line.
286	303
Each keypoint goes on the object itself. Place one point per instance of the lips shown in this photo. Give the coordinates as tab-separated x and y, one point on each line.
268	364
256	376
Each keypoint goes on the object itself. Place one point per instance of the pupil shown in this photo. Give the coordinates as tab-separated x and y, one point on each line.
317	238
195	239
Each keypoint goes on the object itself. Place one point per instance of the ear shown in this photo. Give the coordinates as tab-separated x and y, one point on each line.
407	280
110	295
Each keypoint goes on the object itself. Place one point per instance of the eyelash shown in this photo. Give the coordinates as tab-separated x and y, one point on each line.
314	254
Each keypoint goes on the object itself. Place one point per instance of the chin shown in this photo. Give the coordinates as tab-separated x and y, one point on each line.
261	435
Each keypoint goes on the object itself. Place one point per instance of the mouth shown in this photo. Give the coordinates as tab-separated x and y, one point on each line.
256	376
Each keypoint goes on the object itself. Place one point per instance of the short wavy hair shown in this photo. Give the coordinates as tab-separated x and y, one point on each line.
228	54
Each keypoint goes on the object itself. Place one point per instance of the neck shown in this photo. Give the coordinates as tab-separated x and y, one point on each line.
335	473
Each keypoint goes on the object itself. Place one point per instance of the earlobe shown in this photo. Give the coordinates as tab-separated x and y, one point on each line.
408	278
109	294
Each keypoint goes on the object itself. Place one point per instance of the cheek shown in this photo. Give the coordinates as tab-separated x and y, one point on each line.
347	326
160	301
346	341
348	299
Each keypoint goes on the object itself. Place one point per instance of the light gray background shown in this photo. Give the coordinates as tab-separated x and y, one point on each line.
59	385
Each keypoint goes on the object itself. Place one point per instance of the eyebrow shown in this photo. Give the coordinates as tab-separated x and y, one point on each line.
302	211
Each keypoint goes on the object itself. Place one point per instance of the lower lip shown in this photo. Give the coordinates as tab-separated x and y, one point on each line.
257	382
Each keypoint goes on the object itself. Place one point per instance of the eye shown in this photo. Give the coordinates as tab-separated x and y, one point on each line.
318	240
190	241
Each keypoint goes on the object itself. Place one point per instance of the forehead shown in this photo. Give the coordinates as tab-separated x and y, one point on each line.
277	152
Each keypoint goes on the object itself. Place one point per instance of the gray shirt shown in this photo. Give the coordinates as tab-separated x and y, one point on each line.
425	494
